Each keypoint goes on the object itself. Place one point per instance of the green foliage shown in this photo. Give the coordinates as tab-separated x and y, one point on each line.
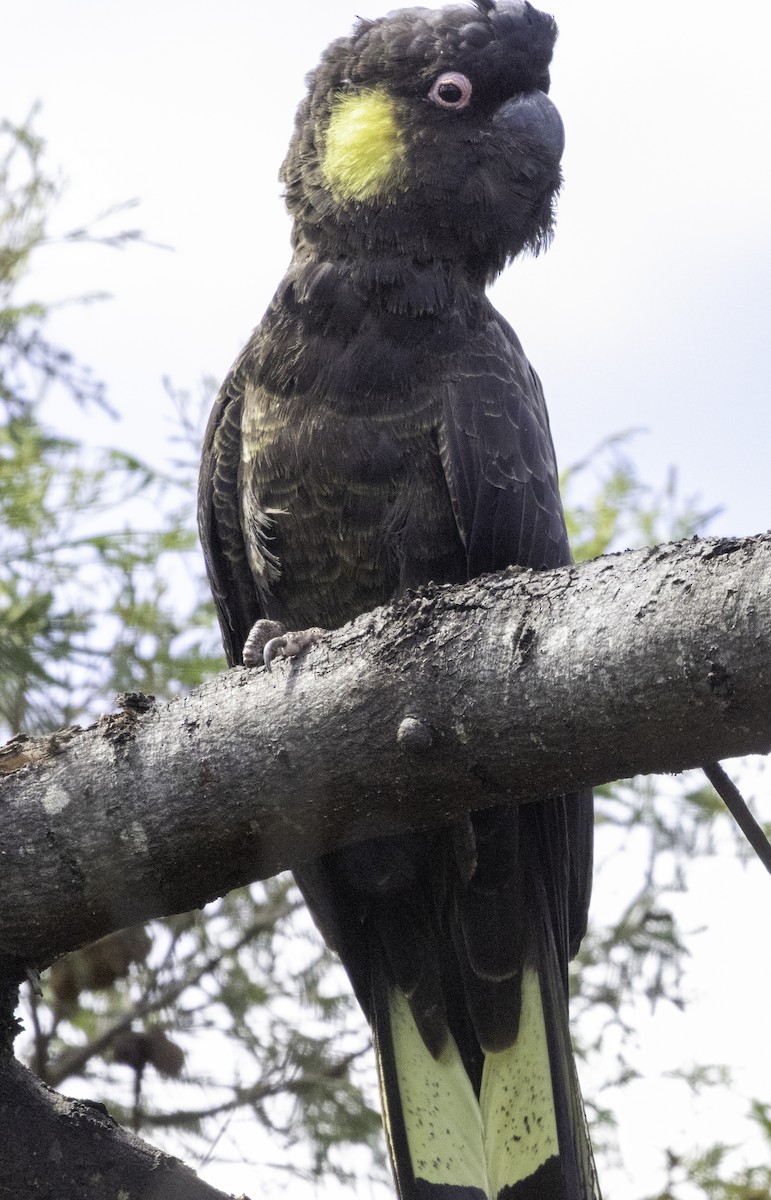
29	361
615	510
87	605
716	1173
86	608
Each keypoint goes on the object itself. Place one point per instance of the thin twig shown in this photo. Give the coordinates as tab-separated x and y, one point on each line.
736	805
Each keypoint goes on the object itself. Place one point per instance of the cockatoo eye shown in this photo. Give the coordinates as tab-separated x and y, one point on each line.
451	90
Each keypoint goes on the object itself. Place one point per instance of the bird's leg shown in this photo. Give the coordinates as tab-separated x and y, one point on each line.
270	639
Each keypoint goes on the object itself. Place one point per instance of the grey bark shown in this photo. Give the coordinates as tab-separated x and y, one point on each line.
54	1148
513	687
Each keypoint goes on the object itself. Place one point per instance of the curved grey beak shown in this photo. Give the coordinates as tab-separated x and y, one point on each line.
537	121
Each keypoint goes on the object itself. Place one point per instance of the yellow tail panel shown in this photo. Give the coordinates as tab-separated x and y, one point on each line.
516	1100
440	1110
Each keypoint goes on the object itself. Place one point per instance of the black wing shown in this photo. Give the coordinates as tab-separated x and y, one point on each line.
233	586
501	472
498	456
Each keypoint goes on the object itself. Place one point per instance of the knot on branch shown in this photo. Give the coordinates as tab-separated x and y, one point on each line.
414	736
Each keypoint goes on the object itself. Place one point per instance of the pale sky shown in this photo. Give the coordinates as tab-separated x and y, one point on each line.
651	310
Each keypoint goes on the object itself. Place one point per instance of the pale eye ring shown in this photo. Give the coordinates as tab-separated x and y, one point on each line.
451	90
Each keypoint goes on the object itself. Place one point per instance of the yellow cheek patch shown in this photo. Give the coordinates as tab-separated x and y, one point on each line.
364	146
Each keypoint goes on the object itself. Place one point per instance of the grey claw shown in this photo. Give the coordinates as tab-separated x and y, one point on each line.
289	645
276	646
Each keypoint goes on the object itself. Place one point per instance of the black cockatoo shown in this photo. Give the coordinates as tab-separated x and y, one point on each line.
383	429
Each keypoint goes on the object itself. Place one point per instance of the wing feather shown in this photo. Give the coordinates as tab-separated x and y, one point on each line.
219	518
498	457
501	471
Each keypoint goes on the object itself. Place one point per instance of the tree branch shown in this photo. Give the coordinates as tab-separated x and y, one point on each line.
46	1136
513	687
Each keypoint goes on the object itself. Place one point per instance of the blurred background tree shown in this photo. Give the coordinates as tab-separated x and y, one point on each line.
213	1023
